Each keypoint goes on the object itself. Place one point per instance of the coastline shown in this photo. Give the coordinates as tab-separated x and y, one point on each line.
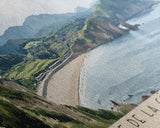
79	89
42	88
82	94
63	87
82	87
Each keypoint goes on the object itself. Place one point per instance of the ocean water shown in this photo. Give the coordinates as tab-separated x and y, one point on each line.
126	66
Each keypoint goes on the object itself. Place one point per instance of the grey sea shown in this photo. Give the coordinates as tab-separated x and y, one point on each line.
129	65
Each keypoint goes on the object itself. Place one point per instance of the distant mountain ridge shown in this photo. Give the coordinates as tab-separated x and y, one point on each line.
34	56
77	36
121	9
37	26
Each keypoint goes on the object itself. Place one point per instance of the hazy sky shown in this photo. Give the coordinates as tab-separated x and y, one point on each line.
14	12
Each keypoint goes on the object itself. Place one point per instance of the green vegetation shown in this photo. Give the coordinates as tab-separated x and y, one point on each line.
100	114
90	26
19	109
14	46
11	116
54	115
25	73
14	94
41	50
32	44
94	33
105	116
27	58
70	28
7	61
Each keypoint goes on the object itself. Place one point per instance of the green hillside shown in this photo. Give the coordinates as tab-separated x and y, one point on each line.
94	33
7	61
34	56
23	60
28	58
21	109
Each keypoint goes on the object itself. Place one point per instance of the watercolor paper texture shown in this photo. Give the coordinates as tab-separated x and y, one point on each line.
146	115
14	12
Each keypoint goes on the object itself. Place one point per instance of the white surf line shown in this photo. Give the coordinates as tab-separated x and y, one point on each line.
146	115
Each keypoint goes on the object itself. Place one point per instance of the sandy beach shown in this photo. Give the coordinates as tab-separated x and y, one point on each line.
63	87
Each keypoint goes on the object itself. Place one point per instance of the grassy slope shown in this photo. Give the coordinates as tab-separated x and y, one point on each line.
25	73
58	44
30	69
41	53
19	109
38	54
7	61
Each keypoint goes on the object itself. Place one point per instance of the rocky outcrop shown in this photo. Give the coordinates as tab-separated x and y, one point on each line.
95	33
145	97
129	26
101	32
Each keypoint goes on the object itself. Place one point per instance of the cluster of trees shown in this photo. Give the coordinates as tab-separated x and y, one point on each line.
7	61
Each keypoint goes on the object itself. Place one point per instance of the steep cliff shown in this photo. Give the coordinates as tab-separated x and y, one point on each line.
96	32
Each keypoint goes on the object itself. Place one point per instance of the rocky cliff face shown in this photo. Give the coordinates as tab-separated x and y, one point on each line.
101	32
95	33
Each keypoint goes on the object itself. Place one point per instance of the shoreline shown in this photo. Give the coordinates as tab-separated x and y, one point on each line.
82	94
44	88
63	87
82	87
